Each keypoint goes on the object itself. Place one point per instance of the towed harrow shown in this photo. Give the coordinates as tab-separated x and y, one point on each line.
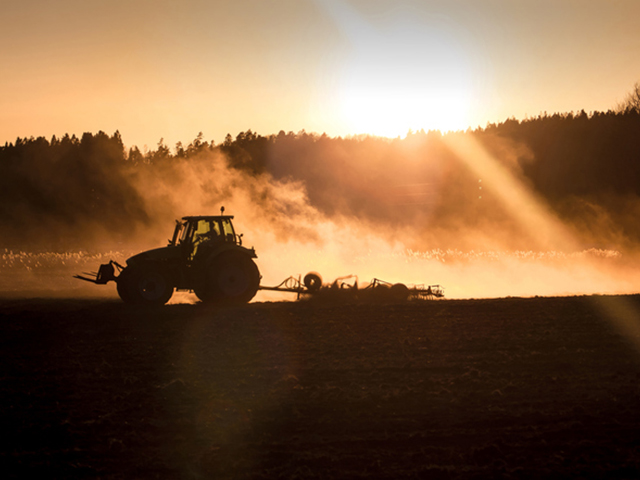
348	287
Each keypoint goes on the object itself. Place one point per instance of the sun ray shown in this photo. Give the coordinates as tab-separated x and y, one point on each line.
524	206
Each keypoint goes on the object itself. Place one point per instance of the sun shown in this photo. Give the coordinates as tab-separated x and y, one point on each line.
406	79
393	111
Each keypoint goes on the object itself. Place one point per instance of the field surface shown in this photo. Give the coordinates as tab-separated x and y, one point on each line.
505	388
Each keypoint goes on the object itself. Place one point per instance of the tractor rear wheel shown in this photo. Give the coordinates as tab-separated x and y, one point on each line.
144	286
231	279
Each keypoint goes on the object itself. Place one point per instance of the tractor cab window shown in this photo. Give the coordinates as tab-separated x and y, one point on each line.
201	233
215	229
178	233
227	228
187	232
203	227
205	232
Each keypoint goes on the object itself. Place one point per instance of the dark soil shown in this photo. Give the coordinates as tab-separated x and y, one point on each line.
507	388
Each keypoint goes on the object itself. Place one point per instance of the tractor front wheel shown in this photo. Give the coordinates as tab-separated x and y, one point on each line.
144	286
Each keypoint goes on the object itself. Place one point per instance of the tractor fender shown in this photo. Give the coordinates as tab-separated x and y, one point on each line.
250	252
205	265
163	254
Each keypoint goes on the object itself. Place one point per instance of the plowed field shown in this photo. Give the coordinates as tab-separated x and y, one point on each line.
505	388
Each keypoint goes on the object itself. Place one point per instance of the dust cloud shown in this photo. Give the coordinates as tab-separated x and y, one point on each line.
453	210
487	259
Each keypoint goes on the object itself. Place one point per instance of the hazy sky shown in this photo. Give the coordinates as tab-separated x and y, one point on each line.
169	69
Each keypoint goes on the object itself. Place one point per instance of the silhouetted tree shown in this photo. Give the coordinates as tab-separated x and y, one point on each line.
632	101
161	154
135	156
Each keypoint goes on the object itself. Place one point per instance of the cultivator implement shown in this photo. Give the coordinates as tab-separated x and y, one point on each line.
348	287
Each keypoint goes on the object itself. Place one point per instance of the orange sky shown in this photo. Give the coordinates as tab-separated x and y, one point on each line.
163	69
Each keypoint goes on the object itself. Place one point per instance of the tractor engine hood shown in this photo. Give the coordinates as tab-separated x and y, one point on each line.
161	254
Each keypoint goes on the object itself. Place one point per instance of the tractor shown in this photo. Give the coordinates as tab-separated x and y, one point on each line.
205	255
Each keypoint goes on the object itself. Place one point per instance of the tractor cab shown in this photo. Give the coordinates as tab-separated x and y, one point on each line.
192	233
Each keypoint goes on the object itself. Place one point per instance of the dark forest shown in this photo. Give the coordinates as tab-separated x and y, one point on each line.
66	192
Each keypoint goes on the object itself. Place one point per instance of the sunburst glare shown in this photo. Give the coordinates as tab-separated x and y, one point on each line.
410	76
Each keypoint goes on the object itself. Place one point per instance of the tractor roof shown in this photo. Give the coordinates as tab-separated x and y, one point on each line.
208	217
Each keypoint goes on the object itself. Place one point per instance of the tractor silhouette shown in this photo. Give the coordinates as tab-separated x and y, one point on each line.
205	255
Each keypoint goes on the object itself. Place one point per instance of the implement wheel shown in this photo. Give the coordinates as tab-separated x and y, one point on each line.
399	292
313	281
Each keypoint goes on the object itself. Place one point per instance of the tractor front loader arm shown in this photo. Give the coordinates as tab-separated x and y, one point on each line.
105	273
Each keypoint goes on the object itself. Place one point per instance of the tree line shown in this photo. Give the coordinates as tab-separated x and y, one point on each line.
51	190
